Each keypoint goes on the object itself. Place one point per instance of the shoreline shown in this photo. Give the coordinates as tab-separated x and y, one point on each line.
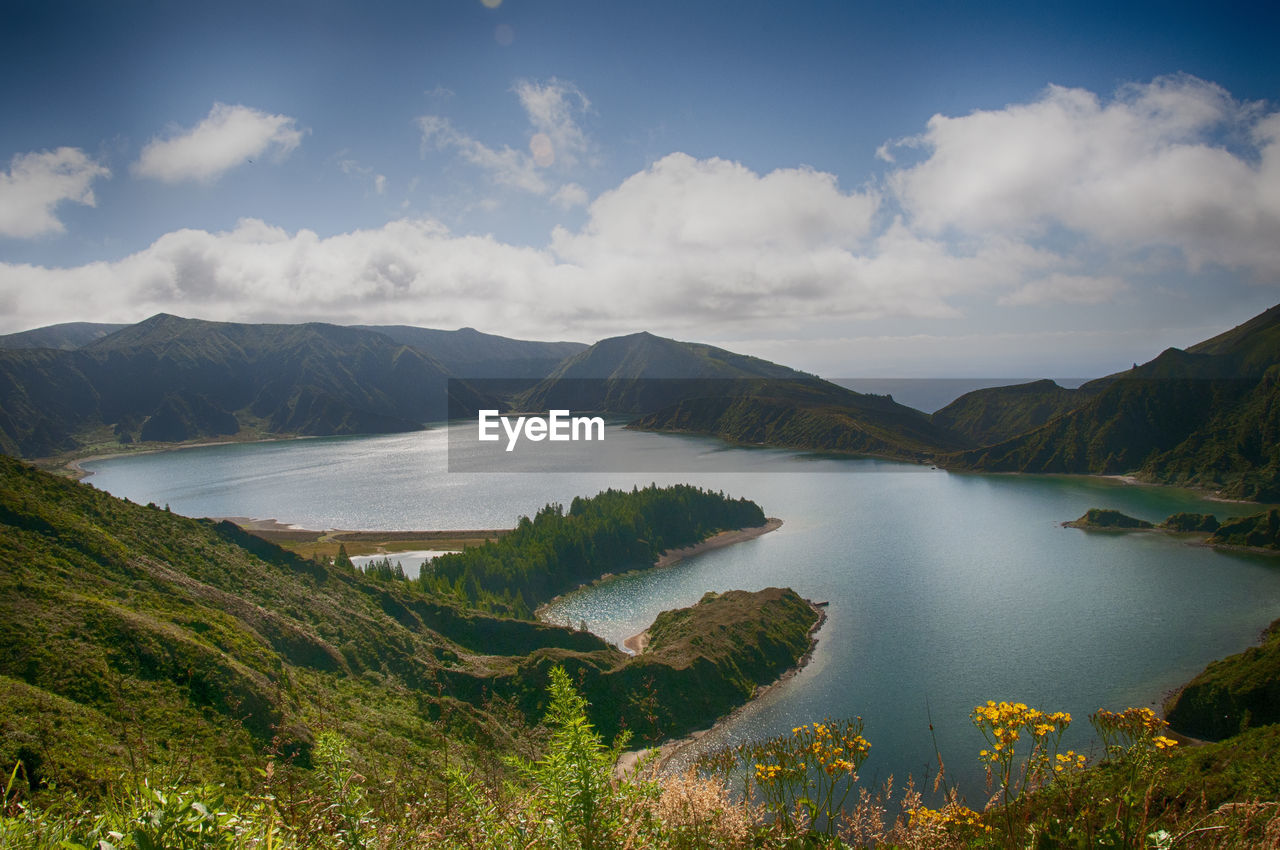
68	462
671	557
629	761
1187	538
73	464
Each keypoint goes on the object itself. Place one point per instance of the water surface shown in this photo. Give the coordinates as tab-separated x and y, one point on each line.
945	589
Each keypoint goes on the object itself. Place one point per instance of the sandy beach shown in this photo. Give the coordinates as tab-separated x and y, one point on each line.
715	541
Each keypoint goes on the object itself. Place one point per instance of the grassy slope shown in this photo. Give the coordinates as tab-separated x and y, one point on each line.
993	415
1207	416
128	632
1232	694
171	379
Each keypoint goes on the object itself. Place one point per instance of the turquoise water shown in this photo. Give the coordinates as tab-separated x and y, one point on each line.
945	590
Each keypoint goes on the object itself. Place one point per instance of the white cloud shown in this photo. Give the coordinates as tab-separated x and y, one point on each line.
711	237
552	108
570	195
1059	288
229	136
406	270
683	242
555	139
1145	169
506	167
37	182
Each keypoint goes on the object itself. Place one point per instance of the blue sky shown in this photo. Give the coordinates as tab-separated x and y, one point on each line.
857	189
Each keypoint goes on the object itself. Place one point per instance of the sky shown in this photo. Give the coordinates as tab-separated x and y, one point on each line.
855	189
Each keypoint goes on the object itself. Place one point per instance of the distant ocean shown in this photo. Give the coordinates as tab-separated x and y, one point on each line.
931	394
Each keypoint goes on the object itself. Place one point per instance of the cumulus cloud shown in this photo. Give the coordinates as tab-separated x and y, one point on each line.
555	139
570	195
407	268
1063	200
686	240
713	237
1149	167
226	138
37	182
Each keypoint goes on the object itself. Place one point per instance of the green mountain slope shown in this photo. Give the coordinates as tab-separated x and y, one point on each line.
641	373
468	353
176	379
810	415
128	633
1207	416
990	416
695	388
1232	694
66	337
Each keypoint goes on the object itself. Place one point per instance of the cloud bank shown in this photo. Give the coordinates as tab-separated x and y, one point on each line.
1060	201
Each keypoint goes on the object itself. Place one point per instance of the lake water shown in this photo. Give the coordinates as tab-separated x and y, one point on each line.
411	561
945	589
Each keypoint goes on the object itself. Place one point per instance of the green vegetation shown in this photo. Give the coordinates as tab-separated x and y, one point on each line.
134	639
554	552
1105	519
1259	531
170	379
811	415
1208	416
1232	694
796	790
990	416
694	388
1188	522
470	354
66	336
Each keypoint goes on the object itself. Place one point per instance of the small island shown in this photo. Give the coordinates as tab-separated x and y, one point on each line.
1105	519
1255	533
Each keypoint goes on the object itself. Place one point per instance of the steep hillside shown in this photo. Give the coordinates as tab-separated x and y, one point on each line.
641	373
174	379
1232	694
128	633
990	416
809	415
66	337
1207	416
694	388
468	353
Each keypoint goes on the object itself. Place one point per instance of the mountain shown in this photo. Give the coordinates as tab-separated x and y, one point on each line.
65	337
696	388
172	379
1207	416
468	353
641	373
993	415
133	636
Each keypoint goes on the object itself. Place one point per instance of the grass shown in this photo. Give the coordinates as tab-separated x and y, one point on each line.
798	791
